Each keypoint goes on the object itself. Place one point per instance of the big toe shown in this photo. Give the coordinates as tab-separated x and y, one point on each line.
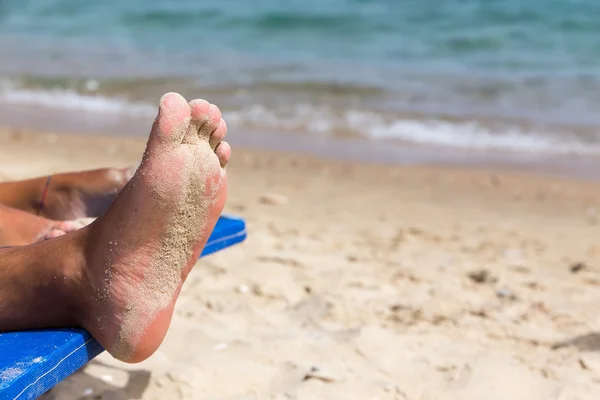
172	120
205	120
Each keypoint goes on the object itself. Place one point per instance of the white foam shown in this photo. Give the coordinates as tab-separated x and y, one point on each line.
71	100
471	135
324	121
465	135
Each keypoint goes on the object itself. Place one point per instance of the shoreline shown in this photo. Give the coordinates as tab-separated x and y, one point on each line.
352	150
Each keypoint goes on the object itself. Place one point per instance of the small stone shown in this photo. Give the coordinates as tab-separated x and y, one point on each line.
274	199
575	268
589	361
87	391
171	377
480	312
481	276
506	293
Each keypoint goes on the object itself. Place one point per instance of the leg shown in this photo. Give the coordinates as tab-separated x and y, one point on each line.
69	196
40	284
19	228
120	276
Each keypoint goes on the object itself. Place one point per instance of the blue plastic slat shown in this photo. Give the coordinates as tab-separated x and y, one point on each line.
32	362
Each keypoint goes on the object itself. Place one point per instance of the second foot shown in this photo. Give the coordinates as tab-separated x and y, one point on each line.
57	229
67	196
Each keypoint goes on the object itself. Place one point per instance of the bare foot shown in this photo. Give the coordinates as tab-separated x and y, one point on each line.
140	252
120	276
67	196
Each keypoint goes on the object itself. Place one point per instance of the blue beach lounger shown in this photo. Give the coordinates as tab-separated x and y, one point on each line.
32	362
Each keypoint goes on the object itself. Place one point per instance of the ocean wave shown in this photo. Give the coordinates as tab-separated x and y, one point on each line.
431	131
473	135
326	121
72	100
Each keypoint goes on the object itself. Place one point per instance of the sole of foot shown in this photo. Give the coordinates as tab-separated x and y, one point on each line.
139	253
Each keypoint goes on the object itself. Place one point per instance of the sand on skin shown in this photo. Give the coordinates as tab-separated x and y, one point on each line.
367	284
159	284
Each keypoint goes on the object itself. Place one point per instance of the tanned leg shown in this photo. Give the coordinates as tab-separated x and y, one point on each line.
40	284
67	196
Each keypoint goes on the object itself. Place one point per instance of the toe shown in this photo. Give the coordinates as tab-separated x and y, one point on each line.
54	233
173	119
212	122
200	111
205	119
219	134
223	152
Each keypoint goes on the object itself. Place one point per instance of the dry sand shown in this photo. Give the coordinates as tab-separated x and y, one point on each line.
367	282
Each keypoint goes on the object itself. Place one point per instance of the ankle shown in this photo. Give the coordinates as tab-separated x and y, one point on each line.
68	275
52	271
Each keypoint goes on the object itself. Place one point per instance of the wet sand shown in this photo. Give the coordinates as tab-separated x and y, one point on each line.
367	282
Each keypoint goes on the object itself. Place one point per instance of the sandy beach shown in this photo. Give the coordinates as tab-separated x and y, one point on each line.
366	282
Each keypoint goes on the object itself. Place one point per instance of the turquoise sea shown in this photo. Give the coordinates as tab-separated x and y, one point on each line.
488	74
